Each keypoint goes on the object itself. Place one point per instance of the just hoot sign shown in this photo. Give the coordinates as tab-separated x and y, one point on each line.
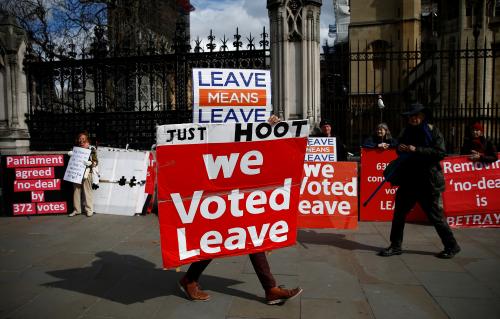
227	189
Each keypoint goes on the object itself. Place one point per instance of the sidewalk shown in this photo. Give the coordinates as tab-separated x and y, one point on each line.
110	267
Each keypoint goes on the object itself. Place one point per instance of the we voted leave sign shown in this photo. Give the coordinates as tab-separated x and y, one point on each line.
227	189
231	95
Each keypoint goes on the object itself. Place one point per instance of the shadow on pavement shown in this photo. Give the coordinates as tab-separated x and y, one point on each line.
340	241
129	279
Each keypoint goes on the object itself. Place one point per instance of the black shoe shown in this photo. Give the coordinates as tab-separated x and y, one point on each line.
390	251
449	253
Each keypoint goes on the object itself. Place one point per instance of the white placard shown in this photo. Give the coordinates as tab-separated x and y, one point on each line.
76	165
122	181
231	95
321	149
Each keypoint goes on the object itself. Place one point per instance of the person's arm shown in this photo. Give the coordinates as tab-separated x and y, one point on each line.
369	143
490	155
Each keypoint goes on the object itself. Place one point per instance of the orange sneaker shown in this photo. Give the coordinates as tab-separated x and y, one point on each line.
192	290
279	295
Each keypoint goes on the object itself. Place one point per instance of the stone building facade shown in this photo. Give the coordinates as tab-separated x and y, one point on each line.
14	136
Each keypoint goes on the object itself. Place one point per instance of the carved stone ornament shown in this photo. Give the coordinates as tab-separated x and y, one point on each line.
294	10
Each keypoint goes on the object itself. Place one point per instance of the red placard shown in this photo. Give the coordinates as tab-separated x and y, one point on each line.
149	187
472	194
381	206
329	195
220	197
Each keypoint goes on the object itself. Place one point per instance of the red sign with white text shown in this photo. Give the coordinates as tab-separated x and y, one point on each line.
34	186
149	187
381	206
228	189
329	195
472	194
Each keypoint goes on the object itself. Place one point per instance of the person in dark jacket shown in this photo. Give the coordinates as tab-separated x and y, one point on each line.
326	130
421	147
381	138
478	146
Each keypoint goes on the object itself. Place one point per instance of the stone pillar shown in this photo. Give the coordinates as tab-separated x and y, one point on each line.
14	136
295	52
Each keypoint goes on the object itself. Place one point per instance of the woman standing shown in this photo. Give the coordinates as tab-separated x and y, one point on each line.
84	190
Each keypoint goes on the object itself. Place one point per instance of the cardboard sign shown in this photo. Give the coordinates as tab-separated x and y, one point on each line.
381	206
32	185
122	181
76	165
329	195
321	149
231	95
228	189
472	194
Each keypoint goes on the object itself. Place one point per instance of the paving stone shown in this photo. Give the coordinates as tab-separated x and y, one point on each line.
466	308
251	305
401	301
453	284
334	308
328	281
487	271
375	269
421	262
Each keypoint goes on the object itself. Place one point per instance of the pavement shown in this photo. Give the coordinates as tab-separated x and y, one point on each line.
110	267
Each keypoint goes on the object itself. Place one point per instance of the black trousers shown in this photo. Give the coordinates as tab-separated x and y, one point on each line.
432	204
259	263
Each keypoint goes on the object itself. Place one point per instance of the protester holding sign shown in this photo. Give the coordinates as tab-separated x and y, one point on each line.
84	190
478	146
326	130
420	149
381	139
239	198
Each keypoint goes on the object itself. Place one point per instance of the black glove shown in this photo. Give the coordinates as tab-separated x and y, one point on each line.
95	186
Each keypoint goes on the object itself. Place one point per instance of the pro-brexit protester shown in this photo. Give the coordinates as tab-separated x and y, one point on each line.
84	190
421	147
275	295
242	201
326	130
381	138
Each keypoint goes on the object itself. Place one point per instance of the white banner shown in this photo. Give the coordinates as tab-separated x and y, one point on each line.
122	181
76	165
221	133
231	95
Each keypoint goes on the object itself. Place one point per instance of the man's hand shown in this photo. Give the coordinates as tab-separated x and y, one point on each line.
406	148
273	120
383	145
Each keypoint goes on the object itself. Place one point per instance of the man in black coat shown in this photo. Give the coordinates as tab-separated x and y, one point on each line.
421	147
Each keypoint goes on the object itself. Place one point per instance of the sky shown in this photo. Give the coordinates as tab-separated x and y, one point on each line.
223	16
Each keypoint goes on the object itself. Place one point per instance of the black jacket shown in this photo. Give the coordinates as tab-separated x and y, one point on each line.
422	168
374	140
